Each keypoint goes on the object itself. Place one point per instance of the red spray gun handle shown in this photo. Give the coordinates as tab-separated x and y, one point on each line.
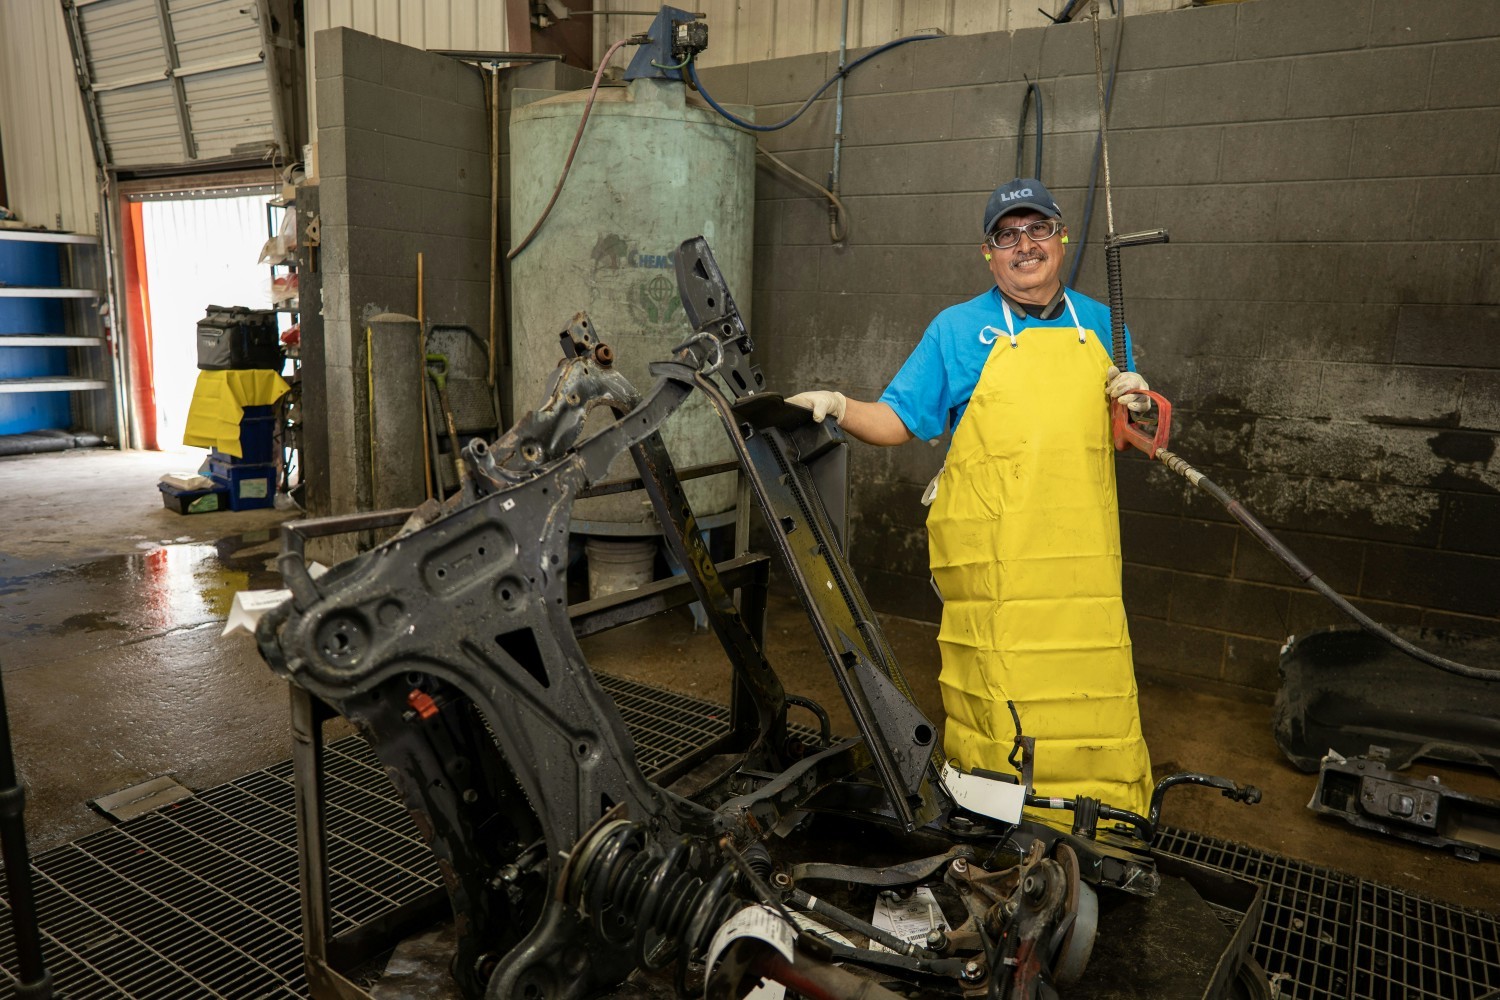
1127	433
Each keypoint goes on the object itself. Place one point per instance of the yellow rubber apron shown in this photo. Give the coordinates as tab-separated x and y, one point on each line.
1024	543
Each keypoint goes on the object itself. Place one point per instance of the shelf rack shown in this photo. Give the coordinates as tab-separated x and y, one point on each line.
51	337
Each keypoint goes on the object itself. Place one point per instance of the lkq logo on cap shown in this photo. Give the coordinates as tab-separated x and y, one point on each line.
1013	195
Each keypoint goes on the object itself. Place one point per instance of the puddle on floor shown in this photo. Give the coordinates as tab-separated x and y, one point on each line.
124	598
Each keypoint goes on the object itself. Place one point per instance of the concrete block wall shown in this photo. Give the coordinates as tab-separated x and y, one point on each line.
403	149
1326	317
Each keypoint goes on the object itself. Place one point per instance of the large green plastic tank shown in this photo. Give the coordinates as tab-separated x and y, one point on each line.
654	168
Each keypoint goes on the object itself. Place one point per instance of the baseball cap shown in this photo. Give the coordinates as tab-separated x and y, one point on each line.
1012	196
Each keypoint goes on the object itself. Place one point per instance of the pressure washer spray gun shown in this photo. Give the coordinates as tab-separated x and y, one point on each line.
1153	441
1127	432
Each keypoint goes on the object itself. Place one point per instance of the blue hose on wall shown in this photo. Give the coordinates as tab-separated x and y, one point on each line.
736	119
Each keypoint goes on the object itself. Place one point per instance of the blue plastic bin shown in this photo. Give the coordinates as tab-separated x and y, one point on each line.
257	438
257	435
250	486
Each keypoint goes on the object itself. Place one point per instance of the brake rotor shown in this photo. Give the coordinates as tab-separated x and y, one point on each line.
1082	905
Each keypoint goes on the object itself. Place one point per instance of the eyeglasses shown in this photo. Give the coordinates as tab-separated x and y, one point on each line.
1039	231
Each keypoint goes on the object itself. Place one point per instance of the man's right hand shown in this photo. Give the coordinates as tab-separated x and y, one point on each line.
1123	386
872	423
822	402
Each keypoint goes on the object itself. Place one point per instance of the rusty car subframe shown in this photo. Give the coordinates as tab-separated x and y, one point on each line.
567	869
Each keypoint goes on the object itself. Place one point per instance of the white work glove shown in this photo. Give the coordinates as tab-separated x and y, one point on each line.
1123	386
822	402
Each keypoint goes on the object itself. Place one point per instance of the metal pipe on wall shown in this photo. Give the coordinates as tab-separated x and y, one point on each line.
129	432
838	128
422	378
496	279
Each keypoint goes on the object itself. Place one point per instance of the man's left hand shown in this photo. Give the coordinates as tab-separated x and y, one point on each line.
1125	386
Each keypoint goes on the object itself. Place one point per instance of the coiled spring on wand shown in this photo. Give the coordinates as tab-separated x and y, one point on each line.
638	895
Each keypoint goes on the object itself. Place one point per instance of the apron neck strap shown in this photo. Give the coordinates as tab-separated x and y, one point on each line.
1073	314
1010	323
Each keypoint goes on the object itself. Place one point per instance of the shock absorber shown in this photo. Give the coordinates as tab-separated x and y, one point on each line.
638	895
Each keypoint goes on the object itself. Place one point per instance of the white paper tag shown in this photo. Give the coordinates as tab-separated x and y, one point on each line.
759	922
806	923
769	989
1000	800
249	605
909	919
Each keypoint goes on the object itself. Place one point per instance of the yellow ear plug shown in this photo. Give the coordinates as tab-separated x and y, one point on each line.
988	257
1065	239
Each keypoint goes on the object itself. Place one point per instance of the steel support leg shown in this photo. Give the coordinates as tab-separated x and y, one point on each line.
34	982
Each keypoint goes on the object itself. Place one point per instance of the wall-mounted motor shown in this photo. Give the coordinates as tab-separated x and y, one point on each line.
673	39
688	39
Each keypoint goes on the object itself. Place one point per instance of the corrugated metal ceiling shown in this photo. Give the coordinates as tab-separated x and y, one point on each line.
178	82
50	177
751	30
423	24
49	166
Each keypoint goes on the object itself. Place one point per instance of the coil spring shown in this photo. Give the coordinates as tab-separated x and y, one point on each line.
639	895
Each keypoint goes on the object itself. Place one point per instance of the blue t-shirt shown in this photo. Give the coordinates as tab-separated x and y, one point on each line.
932	389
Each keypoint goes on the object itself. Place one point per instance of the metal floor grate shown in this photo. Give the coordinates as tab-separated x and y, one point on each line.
1337	937
200	899
1428	947
665	725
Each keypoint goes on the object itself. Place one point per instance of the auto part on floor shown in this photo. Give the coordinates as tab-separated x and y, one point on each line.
1346	690
36	442
1368	796
453	649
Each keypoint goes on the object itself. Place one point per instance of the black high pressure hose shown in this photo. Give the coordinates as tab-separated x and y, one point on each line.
1180	466
1031	90
1109	98
1289	558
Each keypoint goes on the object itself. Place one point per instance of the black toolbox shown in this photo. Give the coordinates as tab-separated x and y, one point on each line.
238	337
194	501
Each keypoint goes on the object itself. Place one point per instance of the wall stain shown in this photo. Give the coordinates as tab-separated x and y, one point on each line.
1217	401
1459	446
1449	419
1455	480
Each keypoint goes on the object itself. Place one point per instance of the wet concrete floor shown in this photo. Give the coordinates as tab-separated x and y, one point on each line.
1185	728
115	672
110	612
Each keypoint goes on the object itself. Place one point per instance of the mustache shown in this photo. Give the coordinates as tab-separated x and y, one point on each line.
1031	255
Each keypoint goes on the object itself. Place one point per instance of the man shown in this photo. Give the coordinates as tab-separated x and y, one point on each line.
1023	529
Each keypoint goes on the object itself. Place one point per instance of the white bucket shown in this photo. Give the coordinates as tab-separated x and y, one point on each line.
616	565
